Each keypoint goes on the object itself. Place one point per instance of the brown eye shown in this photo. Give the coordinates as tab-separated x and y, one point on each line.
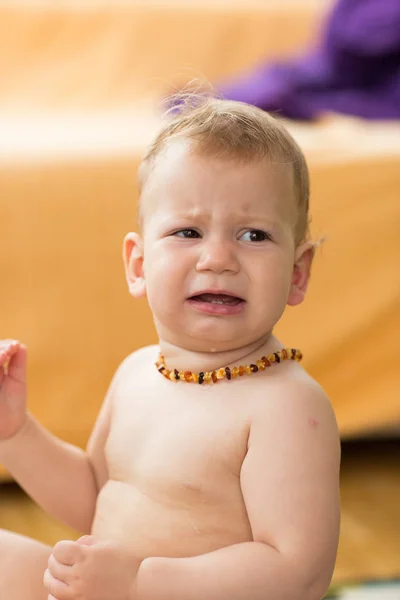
189	233
256	235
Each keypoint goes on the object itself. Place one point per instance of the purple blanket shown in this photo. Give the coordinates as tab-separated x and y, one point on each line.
355	69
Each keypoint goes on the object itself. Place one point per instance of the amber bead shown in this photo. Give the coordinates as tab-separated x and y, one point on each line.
241	370
284	354
220	373
201	377
188	375
260	365
235	372
214	376
253	368
265	360
228	373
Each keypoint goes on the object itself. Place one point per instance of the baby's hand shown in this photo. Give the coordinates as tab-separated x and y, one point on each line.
12	387
90	569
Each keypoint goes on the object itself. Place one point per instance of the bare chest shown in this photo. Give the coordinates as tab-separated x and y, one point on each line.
178	443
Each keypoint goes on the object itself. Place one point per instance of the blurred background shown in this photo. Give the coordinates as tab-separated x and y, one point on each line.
81	84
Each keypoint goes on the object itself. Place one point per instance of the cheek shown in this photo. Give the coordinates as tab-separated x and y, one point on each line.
275	270
164	256
165	279
273	279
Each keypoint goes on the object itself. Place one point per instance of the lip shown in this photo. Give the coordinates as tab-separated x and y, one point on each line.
216	309
215	291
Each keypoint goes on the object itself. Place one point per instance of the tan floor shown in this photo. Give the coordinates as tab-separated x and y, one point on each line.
370	485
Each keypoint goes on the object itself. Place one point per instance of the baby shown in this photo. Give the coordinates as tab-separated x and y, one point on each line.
212	472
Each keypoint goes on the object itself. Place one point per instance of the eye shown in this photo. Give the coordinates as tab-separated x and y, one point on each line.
256	235
188	233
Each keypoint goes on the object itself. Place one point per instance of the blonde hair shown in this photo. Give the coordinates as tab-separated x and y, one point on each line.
230	129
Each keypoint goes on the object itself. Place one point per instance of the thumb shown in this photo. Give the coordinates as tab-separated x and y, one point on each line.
17	364
87	540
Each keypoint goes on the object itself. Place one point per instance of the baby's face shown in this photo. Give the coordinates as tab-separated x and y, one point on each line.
217	224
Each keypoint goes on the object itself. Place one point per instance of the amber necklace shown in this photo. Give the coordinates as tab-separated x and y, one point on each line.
214	376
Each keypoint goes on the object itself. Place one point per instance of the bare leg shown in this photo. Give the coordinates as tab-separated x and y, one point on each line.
23	562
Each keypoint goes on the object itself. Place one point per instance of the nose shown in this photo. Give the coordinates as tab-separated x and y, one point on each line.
217	255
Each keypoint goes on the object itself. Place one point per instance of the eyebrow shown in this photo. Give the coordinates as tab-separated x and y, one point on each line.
203	215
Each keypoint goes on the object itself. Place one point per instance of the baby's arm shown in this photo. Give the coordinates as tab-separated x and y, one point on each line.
290	485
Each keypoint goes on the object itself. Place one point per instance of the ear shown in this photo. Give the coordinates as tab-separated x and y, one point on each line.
132	253
301	273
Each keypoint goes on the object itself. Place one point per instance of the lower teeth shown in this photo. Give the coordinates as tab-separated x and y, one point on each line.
232	302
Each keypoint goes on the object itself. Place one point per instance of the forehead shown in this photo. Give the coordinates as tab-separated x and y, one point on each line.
184	181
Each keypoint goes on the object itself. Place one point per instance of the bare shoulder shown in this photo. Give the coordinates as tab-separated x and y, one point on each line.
136	360
298	410
145	353
295	398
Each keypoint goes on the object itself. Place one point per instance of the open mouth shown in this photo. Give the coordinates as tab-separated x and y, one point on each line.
217	299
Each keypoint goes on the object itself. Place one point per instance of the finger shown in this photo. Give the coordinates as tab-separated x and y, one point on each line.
87	540
7	343
68	552
56	588
59	571
7	349
17	364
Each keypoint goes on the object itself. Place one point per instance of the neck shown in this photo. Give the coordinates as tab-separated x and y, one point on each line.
185	359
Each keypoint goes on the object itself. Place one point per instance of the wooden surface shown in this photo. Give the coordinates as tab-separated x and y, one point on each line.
370	489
